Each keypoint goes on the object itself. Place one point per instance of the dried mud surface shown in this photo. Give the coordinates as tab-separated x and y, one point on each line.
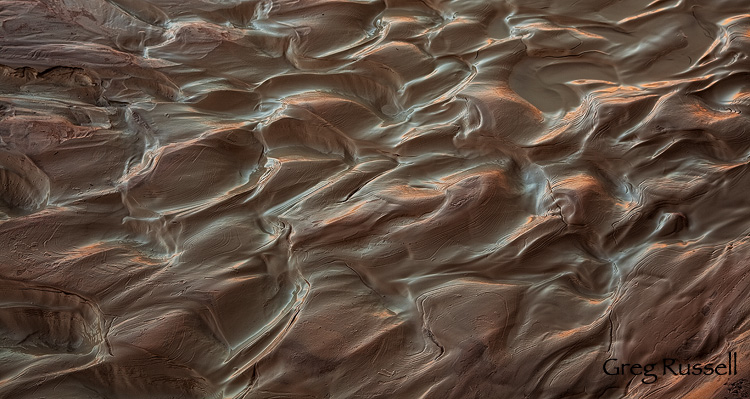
372	199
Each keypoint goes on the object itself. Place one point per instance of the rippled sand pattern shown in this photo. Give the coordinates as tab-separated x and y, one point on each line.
372	199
